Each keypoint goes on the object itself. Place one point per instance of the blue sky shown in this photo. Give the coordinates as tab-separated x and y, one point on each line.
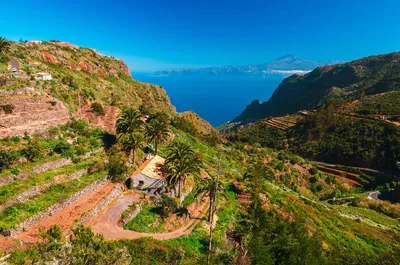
153	35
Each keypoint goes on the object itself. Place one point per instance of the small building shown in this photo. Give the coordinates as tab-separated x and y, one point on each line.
150	176
42	76
35	42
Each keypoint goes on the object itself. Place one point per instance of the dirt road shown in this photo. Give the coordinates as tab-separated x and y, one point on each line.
107	224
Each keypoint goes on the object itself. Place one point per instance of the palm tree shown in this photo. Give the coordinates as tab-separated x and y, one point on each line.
4	45
210	187
131	142
128	122
157	131
181	161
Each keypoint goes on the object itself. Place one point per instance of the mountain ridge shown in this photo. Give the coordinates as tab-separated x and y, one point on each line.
284	65
369	75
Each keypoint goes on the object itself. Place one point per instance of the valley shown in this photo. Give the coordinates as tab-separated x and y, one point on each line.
99	168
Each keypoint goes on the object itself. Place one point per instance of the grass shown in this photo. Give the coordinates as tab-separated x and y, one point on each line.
14	188
56	193
145	220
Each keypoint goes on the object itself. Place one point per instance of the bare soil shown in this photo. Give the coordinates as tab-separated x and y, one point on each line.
66	217
108	224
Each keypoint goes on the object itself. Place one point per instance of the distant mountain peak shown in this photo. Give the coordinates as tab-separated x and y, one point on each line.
285	65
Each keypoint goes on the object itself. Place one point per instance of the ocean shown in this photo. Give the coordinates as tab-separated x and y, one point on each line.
217	99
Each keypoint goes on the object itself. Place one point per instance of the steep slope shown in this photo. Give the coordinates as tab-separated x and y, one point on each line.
82	74
370	76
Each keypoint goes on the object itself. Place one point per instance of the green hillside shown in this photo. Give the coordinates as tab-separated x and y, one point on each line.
367	76
80	73
249	198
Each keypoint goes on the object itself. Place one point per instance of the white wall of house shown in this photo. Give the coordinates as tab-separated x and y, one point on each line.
143	182
44	77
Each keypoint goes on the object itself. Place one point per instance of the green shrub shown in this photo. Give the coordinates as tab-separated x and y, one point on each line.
7	157
97	108
34	150
80	127
62	147
8	109
168	205
116	166
16	139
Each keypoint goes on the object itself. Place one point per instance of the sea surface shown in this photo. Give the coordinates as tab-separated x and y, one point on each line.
216	99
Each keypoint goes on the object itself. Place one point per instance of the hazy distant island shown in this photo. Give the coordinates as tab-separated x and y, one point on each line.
286	65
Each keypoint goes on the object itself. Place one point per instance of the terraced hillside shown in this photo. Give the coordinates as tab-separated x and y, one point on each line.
282	123
80	75
30	113
55	174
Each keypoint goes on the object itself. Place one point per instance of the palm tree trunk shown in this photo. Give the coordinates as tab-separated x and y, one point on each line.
179	189
131	153
210	210
211	220
155	146
133	156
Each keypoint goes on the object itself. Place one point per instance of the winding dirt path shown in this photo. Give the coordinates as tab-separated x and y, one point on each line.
108	225
66	217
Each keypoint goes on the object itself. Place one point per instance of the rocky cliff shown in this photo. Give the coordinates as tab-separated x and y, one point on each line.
80	76
85	74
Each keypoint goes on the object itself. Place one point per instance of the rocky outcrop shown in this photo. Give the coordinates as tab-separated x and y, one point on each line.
30	114
106	122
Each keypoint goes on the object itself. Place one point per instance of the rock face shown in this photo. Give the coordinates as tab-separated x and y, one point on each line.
82	73
76	58
30	114
106	122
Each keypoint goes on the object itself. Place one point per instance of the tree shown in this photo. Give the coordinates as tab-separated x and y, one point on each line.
4	45
157	131
168	205
128	122
116	166
7	157
131	143
396	193
34	150
181	161
210	187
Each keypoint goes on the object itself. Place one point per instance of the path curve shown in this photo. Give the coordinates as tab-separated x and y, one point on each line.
108	223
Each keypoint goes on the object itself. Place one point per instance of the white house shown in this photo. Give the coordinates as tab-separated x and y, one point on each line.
150	176
35	41
42	76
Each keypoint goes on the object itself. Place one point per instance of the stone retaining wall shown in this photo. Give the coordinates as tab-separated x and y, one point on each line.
31	114
132	215
44	167
51	165
114	193
53	209
26	195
